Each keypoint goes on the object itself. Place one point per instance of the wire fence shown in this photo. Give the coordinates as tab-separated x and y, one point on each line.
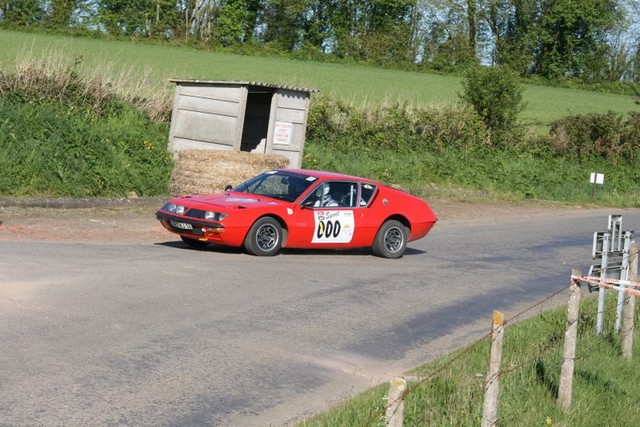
557	346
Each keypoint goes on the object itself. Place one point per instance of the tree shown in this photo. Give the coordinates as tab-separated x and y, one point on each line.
254	8
572	38
61	13
21	13
471	20
381	31
447	44
197	17
232	22
512	25
389	31
163	20
125	17
586	39
283	21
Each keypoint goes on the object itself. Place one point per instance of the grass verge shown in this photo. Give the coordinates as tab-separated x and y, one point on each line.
449	391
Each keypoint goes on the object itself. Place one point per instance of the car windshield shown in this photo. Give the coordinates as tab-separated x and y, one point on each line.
280	185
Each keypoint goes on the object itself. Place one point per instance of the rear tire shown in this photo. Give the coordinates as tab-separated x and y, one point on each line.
264	237
193	243
391	240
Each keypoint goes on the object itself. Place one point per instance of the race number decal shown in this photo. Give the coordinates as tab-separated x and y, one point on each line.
333	227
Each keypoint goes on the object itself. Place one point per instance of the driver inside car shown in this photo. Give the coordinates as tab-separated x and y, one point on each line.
324	198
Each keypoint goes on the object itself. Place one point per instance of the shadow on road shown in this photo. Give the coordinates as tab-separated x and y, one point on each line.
177	244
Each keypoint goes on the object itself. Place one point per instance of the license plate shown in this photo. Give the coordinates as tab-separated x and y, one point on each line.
181	225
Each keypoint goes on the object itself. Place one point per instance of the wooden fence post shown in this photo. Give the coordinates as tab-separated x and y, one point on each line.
565	389
629	307
394	416
492	382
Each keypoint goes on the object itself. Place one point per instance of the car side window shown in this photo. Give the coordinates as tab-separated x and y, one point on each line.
314	199
333	194
347	194
366	193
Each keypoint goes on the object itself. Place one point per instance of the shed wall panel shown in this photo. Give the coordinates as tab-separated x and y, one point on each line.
188	144
293	156
205	127
207	105
217	92
289	115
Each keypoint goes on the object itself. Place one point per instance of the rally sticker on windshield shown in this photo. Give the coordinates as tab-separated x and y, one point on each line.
333	227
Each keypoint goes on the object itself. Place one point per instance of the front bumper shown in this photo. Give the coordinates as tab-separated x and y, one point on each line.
206	231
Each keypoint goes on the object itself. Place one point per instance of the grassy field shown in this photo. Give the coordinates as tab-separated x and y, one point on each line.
357	84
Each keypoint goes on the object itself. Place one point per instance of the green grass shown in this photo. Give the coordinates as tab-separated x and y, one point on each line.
449	391
357	84
545	104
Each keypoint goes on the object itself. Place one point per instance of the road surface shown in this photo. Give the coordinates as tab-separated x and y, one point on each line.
149	332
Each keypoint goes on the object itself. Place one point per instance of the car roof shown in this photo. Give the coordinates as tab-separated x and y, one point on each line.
325	175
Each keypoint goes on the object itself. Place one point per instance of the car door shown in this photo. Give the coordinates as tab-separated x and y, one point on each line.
330	215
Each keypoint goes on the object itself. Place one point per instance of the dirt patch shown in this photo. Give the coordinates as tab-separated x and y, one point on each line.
137	222
116	223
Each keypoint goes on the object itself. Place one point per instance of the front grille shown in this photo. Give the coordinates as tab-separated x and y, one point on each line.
193	232
173	223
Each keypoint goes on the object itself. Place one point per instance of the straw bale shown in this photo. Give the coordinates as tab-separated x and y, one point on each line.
210	171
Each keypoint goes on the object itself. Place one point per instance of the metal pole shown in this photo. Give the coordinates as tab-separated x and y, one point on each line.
606	240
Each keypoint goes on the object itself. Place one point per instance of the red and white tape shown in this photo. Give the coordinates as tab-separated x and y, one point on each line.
607	283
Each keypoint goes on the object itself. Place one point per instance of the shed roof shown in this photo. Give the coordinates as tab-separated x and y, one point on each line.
242	83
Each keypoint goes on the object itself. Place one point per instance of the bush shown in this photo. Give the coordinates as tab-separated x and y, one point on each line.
609	136
449	148
48	149
396	127
496	95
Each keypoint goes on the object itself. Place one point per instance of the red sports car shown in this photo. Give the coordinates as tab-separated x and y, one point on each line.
295	208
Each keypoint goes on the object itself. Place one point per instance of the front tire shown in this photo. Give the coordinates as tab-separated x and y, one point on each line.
193	243
391	240
264	237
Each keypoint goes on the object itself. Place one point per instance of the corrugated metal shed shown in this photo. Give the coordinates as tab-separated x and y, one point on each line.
240	115
244	83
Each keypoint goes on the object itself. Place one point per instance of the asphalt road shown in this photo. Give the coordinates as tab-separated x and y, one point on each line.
158	334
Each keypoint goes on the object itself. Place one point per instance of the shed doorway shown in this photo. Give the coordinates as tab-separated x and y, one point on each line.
256	120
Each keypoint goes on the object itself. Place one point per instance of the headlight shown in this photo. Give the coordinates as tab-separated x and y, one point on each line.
214	216
173	208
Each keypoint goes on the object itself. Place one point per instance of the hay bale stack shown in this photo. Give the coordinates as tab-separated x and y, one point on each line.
210	171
